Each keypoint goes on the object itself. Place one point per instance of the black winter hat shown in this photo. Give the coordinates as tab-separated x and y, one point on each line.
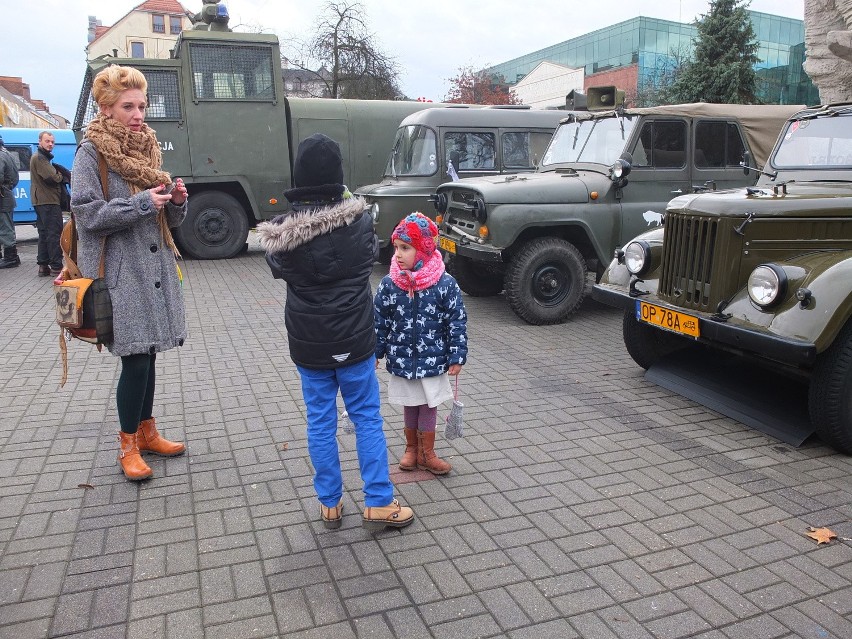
318	162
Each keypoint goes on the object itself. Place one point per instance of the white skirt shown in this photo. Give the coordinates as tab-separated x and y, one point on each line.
416	392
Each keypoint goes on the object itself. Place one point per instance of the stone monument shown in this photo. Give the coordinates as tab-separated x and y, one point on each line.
828	48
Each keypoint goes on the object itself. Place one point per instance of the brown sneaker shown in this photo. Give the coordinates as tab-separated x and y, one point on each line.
43	270
332	517
393	515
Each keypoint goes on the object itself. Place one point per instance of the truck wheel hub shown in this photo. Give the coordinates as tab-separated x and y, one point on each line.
548	284
213	225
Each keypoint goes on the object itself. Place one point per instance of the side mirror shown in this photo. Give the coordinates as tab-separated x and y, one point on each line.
619	171
746	162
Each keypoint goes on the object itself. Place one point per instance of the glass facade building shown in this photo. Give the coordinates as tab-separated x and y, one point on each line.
652	46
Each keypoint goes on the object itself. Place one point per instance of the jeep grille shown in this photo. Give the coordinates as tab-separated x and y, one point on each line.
688	251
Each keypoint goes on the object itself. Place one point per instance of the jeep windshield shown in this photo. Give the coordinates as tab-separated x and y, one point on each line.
596	141
823	140
415	152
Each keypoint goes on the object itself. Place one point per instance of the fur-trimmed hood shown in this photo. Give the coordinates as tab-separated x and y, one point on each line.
296	228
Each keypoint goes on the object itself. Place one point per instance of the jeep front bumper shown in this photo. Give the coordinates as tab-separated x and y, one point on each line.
467	248
781	349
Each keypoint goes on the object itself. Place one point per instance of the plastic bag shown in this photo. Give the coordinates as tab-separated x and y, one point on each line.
348	426
454	426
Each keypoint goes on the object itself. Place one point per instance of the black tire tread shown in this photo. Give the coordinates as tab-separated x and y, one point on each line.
830	393
516	284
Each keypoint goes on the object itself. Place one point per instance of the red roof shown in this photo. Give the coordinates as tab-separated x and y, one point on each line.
161	6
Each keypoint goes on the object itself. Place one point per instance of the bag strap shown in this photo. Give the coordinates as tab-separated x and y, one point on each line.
456	393
68	240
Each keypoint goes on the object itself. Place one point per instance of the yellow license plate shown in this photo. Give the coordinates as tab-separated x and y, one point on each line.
447	245
669	320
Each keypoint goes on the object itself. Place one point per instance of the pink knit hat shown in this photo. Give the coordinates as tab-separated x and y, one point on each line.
420	232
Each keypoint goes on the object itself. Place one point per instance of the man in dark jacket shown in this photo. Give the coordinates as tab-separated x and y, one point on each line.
8	182
45	184
325	249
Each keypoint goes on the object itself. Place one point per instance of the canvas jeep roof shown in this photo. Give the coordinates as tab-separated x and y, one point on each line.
760	123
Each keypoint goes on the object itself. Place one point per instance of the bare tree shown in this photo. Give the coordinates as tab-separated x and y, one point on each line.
346	57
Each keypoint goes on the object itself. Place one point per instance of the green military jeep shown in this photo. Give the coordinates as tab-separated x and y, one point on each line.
763	272
536	235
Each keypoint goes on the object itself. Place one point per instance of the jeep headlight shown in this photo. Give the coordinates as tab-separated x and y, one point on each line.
767	285
374	211
637	257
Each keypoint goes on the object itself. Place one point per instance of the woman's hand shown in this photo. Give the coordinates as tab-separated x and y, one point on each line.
454	369
159	196
179	193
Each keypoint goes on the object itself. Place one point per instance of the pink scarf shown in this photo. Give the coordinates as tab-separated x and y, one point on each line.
424	277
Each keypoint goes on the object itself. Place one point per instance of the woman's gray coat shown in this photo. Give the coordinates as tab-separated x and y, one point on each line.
140	269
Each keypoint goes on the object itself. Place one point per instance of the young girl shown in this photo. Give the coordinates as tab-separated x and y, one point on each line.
421	328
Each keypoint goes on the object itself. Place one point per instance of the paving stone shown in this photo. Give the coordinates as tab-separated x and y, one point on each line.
581	504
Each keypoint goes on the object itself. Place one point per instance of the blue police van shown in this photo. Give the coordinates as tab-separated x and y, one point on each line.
22	143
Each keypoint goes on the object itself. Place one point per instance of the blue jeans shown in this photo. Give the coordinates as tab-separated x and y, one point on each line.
359	388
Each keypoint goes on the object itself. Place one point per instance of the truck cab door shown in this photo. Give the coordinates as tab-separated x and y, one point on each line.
660	172
165	115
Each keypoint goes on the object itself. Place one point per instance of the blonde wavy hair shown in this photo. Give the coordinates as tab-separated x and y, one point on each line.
110	83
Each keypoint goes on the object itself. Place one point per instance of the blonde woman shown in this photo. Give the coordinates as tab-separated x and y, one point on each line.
132	227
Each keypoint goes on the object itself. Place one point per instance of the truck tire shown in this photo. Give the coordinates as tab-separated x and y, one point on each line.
647	345
475	279
215	228
830	393
546	281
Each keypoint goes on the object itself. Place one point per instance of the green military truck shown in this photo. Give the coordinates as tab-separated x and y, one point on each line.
763	272
606	175
432	144
226	127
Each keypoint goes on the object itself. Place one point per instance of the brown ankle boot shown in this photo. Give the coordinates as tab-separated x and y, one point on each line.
409	457
150	440
426	457
391	516
131	461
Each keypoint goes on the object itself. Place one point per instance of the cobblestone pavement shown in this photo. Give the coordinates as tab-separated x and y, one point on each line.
584	501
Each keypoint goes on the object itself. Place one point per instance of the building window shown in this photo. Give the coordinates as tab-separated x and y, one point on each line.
159	23
175	25
137	50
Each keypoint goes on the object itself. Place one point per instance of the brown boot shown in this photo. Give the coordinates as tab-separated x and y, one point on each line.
409	457
426	457
131	461
393	515
151	441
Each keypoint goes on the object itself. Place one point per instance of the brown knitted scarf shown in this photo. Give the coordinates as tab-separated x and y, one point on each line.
136	157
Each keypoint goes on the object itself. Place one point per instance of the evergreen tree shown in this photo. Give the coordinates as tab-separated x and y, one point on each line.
722	67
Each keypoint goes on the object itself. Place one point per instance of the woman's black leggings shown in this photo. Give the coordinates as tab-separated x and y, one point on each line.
134	395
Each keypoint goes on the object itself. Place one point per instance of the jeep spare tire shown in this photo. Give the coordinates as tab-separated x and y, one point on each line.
546	280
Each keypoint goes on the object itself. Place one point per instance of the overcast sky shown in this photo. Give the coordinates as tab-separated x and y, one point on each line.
43	41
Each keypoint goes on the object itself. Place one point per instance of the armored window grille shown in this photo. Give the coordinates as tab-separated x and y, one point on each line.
163	98
158	24
163	95
232	73
86	107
